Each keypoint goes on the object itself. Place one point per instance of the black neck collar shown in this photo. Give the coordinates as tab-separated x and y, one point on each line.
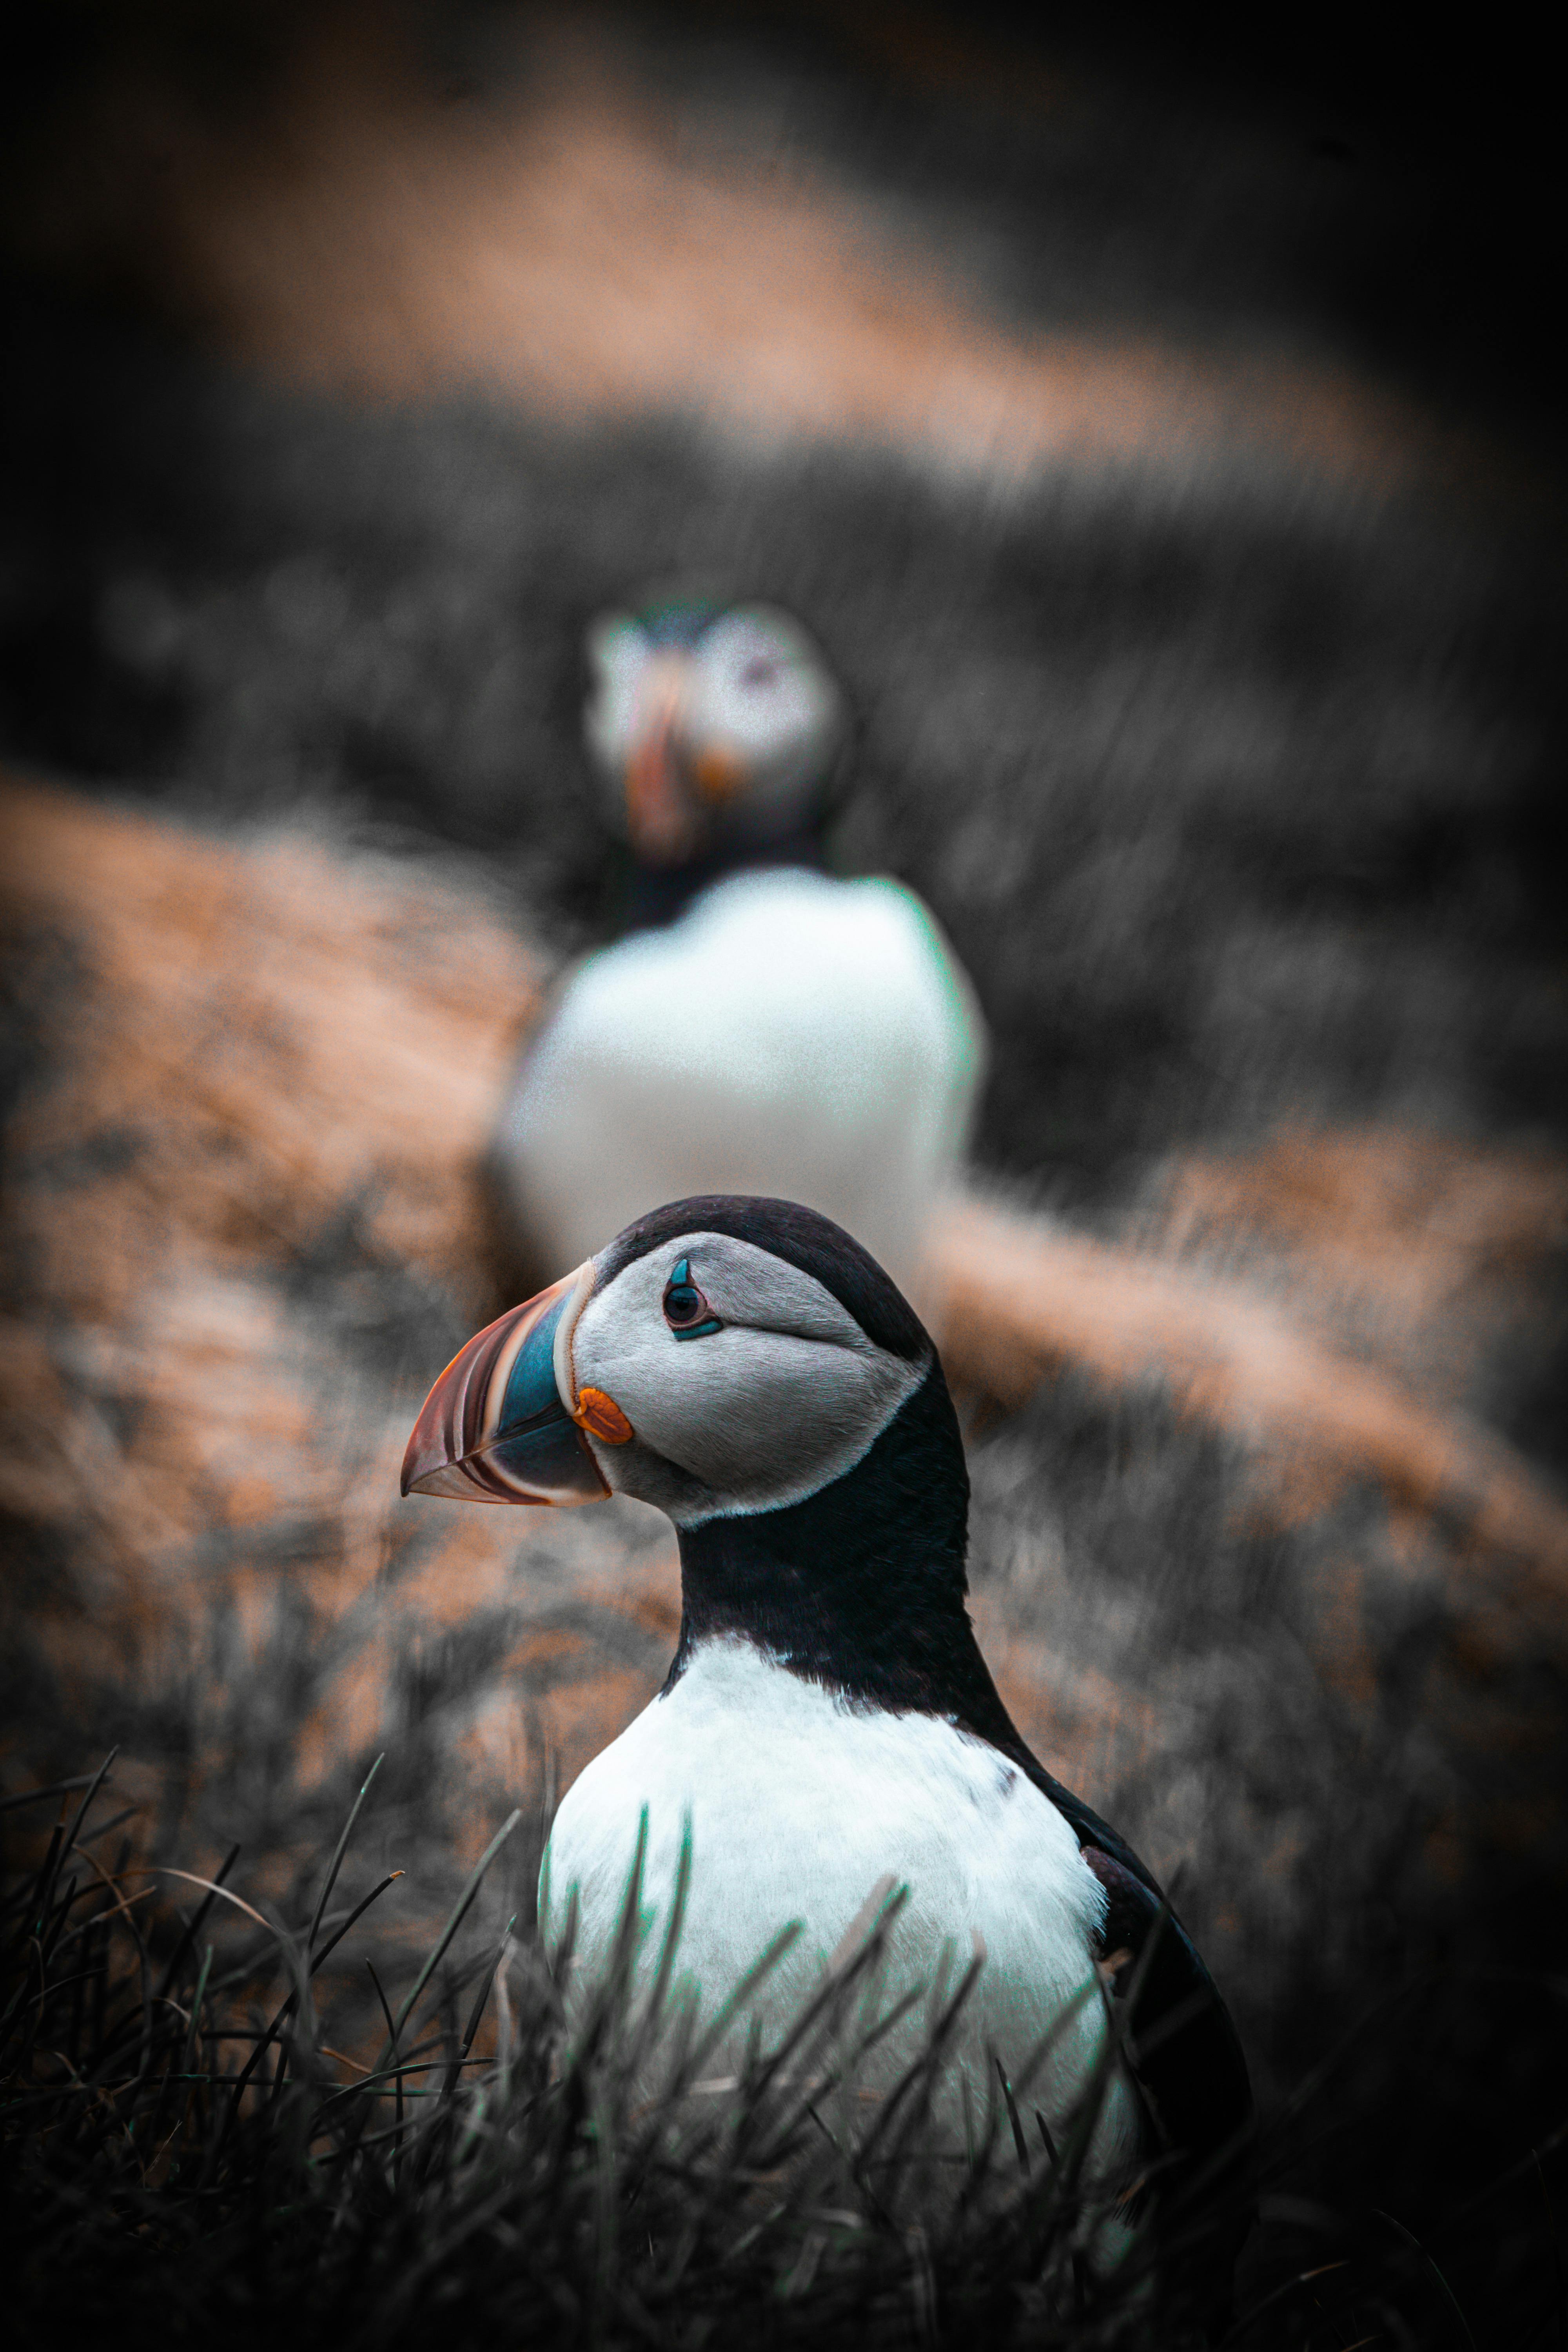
656	896
861	1588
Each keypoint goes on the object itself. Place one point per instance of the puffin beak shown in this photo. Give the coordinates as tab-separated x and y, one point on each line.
504	1425
659	816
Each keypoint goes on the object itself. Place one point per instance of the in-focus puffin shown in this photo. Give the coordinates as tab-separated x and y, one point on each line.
763	1026
828	1721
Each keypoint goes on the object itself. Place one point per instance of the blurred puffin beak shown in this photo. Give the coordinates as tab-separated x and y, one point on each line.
659	815
504	1422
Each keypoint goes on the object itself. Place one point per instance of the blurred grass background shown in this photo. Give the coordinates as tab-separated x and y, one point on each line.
1162	447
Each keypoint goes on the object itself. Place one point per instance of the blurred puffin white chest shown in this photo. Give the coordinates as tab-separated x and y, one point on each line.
798	1806
790	1036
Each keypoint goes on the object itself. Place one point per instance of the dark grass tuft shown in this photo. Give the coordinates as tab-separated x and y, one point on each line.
206	2131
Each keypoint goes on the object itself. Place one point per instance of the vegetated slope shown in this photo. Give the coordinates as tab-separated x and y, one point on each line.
245	1229
1235	789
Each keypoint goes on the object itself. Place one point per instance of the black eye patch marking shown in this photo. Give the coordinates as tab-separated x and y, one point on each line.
686	1310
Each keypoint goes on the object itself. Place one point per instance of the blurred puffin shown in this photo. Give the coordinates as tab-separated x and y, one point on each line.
761	1026
744	1366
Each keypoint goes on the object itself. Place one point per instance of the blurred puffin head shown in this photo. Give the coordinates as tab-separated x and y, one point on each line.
713	727
722	1358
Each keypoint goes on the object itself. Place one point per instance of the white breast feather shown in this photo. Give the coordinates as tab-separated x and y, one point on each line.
790	1036
798	1806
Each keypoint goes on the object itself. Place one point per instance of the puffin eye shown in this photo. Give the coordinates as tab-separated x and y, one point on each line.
759	671
686	1310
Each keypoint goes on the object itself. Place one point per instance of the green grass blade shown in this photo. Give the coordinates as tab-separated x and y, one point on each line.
460	1911
336	1863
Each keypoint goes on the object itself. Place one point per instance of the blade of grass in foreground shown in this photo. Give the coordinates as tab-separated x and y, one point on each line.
284	2013
1461	2323
52	1788
459	1913
336	1863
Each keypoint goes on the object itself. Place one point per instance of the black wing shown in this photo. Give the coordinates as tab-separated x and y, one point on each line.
1186	2058
1185	2053
1185	2050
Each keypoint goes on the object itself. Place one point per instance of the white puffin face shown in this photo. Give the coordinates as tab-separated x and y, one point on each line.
705	1371
759	688
747	717
739	1370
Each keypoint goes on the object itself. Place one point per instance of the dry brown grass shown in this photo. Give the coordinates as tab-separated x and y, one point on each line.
341	1028
1023	1300
578	245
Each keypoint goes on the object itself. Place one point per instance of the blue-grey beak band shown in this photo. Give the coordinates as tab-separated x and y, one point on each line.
503	1424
